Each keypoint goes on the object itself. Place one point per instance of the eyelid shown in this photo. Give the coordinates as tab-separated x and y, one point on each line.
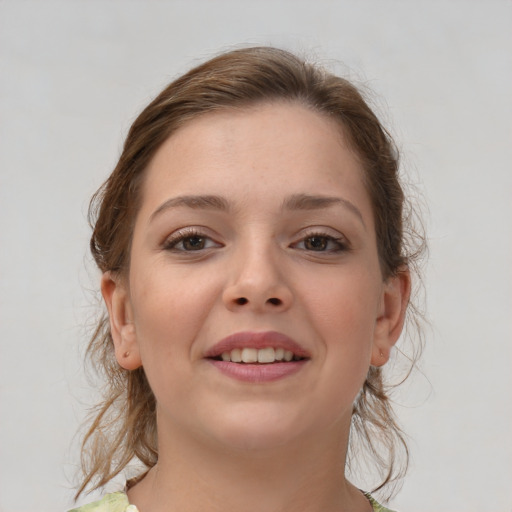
322	232
171	241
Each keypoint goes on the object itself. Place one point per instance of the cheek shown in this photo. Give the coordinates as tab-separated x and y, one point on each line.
347	301
169	307
344	315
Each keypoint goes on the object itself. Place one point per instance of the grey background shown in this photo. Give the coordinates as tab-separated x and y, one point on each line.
73	75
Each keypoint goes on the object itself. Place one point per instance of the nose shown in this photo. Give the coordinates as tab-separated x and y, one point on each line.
258	283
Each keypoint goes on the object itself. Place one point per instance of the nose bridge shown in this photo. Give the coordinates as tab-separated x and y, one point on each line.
257	276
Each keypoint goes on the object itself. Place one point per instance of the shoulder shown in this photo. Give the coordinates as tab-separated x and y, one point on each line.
114	502
377	507
118	502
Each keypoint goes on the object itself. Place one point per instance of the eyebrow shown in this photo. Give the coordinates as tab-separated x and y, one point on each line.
207	202
314	202
294	202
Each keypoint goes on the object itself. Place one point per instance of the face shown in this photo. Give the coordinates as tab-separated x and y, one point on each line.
254	245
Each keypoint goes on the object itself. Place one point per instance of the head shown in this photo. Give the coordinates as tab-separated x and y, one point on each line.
236	82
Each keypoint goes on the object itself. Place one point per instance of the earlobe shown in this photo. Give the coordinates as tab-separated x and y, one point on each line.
122	328
390	322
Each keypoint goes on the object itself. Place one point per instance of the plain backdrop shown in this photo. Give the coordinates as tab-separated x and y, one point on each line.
74	74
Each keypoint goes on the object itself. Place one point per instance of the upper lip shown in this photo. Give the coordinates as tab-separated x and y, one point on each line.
257	340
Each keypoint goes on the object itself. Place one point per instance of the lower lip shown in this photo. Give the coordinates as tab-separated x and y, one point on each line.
248	372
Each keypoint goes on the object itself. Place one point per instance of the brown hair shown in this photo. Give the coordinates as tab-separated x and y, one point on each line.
124	424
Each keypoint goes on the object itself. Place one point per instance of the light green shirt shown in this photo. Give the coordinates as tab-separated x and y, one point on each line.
118	502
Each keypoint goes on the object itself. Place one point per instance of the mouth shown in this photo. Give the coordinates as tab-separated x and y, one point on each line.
251	355
257	347
258	357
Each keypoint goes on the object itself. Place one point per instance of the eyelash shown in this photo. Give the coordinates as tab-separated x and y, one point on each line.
171	243
341	244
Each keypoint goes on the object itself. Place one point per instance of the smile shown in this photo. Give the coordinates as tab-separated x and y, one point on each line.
265	355
258	356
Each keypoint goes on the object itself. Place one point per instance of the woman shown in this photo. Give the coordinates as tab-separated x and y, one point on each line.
256	277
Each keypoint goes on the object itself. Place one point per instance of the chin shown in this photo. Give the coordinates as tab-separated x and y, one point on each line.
257	441
258	429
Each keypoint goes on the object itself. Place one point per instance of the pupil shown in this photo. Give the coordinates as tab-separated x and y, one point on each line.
194	242
316	243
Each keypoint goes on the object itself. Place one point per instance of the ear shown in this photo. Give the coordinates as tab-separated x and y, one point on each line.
390	322
117	299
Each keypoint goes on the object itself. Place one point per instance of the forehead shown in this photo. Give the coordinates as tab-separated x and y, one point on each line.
265	150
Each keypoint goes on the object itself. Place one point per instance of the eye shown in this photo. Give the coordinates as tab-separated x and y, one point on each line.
316	243
320	242
192	243
189	240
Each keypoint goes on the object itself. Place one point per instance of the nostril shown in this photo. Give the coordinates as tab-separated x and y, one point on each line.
274	301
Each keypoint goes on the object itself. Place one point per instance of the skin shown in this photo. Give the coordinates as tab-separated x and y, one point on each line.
312	274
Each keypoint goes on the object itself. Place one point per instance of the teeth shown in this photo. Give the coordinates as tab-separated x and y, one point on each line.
263	355
266	355
250	355
236	355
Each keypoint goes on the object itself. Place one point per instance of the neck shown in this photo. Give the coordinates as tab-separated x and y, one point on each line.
196	475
